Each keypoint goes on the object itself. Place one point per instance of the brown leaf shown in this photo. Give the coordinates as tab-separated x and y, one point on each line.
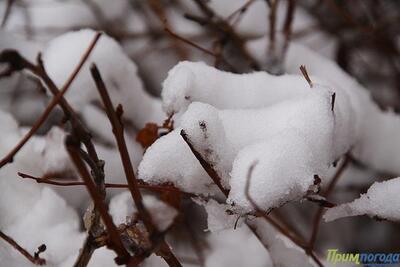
148	135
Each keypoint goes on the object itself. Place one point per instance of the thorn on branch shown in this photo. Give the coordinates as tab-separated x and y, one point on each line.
306	76
333	98
42	248
33	259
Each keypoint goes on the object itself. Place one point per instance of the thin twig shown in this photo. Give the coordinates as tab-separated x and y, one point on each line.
115	118
206	166
118	132
159	11
23	63
273	4
86	252
35	260
287	26
326	193
306	76
116	242
224	29
141	184
7	13
202	49
240	11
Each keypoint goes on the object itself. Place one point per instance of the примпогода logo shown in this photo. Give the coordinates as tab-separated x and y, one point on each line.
366	259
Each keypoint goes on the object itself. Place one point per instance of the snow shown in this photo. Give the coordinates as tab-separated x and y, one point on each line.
55	157
277	126
118	72
272	184
60	15
281	121
169	159
122	208
236	248
219	216
48	220
267	107
369	129
27	48
195	81
205	130
283	251
34	214
381	201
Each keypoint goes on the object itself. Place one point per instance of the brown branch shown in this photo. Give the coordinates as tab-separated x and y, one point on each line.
117	128
240	11
273	4
202	49
7	13
158	9
187	41
306	76
118	131
33	259
224	29
287	26
115	240
86	252
141	184
206	166
17	62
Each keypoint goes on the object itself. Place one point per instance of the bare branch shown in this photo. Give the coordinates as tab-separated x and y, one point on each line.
116	242
141	184
206	166
204	50
118	132
329	189
7	13
306	76
34	259
117	128
18	63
